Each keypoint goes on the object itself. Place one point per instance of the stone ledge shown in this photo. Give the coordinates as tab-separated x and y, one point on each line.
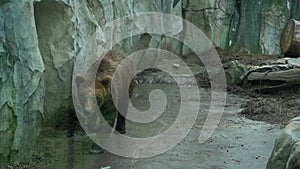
286	152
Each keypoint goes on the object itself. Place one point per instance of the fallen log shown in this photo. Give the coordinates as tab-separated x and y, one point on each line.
273	81
290	76
290	39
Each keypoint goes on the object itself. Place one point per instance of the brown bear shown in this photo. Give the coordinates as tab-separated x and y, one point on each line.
106	74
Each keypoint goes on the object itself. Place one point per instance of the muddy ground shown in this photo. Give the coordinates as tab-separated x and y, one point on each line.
275	108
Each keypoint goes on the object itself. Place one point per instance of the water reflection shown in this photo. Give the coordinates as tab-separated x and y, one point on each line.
70	159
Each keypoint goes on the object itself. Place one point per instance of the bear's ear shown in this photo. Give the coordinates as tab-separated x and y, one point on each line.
79	79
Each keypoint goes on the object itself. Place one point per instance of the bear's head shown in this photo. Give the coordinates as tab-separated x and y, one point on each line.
87	92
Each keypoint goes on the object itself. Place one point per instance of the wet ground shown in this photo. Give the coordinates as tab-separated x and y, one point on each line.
237	143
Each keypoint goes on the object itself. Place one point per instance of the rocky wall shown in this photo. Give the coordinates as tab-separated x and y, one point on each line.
212	17
21	81
254	26
55	31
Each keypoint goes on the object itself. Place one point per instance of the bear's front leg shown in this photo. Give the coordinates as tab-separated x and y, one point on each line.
120	126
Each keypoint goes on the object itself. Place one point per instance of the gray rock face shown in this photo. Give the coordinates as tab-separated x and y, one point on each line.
212	17
55	31
286	152
21	81
252	25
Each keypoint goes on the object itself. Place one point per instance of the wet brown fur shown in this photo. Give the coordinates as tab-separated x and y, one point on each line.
103	81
